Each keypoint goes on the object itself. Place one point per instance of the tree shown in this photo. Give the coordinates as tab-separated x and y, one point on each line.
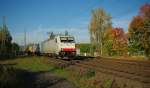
100	22
108	43
120	41
5	41
139	30
15	48
135	32
145	11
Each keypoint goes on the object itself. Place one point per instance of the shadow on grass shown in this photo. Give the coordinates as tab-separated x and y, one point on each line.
16	78
12	58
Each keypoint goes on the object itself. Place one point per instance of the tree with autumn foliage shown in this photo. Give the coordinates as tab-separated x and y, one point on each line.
100	22
135	32
108	43
120	41
139	31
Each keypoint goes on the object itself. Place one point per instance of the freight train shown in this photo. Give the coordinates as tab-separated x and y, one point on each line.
59	45
32	49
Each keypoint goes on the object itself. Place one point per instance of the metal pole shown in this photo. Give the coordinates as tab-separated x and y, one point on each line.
24	39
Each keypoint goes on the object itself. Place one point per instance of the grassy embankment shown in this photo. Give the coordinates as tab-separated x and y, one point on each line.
81	77
42	64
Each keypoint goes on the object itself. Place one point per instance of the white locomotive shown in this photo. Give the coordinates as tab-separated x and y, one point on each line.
59	45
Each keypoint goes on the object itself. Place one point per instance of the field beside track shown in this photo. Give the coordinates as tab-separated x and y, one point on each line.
90	73
33	64
60	68
32	72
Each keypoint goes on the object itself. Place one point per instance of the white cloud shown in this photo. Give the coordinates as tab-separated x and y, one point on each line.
41	34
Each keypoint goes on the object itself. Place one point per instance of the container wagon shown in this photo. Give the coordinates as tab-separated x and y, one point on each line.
33	49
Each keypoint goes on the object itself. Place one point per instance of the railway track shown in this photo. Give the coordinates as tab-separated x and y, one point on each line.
124	61
131	67
133	70
63	63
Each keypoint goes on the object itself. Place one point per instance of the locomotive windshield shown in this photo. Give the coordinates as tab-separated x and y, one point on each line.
67	39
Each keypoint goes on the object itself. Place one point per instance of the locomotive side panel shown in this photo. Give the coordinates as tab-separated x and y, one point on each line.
49	46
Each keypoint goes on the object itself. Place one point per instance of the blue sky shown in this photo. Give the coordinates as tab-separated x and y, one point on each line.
38	17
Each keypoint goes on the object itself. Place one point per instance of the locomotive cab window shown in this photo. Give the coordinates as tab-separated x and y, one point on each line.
70	39
63	39
67	39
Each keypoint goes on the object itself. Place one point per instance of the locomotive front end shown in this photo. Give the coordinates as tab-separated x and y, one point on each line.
67	46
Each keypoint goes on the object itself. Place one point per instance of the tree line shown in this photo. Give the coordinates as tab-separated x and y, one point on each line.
7	48
108	41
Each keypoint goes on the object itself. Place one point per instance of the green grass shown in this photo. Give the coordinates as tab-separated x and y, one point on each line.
43	64
84	47
37	64
108	83
33	64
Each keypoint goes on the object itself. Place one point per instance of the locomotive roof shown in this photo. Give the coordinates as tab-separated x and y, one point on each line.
57	35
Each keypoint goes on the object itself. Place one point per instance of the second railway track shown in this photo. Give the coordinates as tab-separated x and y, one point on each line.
133	70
